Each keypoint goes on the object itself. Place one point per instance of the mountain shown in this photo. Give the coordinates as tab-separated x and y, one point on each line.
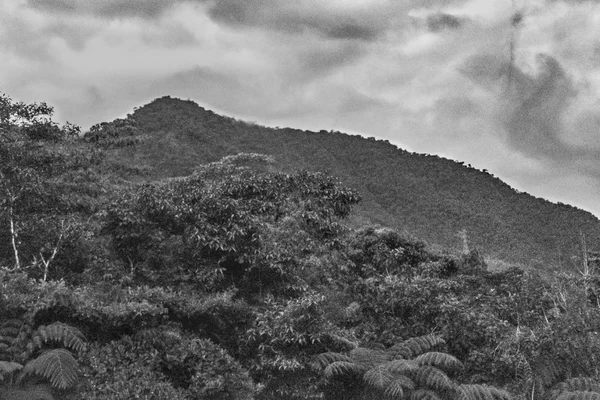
426	196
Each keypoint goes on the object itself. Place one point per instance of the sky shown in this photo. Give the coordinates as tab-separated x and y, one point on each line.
511	86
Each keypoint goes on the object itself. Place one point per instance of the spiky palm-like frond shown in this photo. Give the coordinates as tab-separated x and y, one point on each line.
415	346
443	361
8	367
432	378
31	392
68	335
57	365
579	395
379	377
338	368
324	359
13	336
368	357
424	394
402	366
481	392
399	386
576	384
524	373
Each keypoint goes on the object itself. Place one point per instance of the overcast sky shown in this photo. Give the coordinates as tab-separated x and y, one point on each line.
432	76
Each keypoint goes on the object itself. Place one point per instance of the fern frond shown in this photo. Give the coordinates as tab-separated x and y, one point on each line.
432	378
13	334
424	394
482	392
439	360
37	392
577	384
400	351
29	392
342	368
344	341
324	359
368	357
579	395
415	346
68	335
58	366
397	387
402	366
379	377
524	372
8	367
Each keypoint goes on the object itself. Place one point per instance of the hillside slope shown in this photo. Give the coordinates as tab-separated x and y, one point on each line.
427	196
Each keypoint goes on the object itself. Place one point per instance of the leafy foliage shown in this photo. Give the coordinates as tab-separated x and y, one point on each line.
239	279
56	366
390	373
482	392
425	195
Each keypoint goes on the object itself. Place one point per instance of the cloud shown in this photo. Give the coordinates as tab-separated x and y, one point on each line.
148	9
439	21
531	107
295	18
430	75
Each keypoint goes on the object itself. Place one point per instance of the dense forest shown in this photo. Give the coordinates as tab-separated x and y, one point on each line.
127	272
428	197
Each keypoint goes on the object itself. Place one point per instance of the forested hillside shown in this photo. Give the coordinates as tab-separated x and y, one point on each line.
429	197
238	281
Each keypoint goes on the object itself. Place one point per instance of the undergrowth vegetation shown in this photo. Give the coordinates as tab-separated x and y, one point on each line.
239	281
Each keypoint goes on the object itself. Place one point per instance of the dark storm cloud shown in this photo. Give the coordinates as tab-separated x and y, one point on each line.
105	8
439	21
534	108
59	6
283	17
536	123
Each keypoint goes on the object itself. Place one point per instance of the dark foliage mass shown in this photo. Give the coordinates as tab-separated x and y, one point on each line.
124	276
429	197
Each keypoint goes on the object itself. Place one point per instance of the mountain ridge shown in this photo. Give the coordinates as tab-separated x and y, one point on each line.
427	196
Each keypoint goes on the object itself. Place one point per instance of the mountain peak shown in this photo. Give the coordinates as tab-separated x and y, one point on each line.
427	196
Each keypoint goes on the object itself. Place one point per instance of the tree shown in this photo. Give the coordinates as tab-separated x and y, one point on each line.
228	222
46	180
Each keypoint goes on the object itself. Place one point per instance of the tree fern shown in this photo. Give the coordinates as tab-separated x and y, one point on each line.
379	377
30	392
524	373
402	366
324	359
432	378
579	395
397	388
577	384
443	361
368	357
415	346
394	374
481	392
343	367
69	336
424	394
14	334
8	367
57	365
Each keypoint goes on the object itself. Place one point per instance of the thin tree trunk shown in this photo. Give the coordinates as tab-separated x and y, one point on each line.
13	236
